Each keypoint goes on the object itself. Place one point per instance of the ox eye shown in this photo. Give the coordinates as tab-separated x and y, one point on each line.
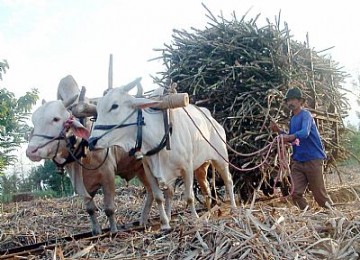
114	106
56	119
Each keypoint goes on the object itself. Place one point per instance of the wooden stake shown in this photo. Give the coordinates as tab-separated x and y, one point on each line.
110	74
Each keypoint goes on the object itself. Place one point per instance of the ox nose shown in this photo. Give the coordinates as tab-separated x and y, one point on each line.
92	143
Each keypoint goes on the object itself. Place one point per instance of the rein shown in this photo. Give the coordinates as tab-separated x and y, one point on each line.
52	139
110	128
268	146
278	140
75	154
226	160
61	136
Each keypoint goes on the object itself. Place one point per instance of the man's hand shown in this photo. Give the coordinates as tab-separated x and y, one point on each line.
288	138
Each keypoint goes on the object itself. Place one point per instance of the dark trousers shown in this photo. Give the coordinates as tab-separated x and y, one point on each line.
308	174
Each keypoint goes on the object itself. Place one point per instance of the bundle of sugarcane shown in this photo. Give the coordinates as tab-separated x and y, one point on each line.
241	73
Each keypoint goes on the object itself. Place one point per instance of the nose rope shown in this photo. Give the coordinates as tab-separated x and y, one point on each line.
68	122
52	139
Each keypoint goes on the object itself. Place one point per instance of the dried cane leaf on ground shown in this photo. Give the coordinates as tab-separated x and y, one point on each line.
264	230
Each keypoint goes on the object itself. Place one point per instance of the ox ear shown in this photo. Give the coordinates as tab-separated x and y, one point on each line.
79	130
144	103
43	102
70	101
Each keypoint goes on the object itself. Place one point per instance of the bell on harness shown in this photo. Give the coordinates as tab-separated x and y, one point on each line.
138	155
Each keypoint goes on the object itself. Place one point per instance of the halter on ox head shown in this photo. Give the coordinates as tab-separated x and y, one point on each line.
116	110
52	122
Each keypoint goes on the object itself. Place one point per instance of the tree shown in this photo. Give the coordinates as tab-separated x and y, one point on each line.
38	179
3	66
351	142
356	91
14	114
8	183
49	176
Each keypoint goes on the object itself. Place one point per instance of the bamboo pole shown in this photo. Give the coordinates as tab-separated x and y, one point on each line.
110	73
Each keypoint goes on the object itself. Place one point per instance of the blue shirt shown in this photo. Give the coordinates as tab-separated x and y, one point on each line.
304	128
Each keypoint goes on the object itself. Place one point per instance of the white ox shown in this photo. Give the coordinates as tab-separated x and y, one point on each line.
117	122
53	128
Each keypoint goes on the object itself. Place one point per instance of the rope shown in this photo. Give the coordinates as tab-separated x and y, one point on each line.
229	147
283	164
278	140
83	165
226	160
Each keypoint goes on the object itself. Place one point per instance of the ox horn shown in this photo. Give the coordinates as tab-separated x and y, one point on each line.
83	109
140	91
82	94
70	101
131	85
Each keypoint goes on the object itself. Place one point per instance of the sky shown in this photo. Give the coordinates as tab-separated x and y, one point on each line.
45	40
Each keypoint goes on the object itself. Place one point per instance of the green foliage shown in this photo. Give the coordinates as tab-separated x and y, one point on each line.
3	66
351	142
6	198
42	181
46	194
119	182
48	175
356	92
8	183
14	115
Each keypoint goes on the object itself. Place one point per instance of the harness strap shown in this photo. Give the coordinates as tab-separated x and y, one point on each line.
121	125
74	154
49	137
167	127
164	141
110	127
139	123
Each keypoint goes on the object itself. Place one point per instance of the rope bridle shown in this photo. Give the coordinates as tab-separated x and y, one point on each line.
75	153
60	136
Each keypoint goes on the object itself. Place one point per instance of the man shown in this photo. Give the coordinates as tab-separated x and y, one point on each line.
308	152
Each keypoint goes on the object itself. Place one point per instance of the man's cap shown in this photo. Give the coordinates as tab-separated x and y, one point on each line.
294	93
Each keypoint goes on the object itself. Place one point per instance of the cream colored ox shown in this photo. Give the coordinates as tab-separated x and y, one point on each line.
59	136
118	123
53	137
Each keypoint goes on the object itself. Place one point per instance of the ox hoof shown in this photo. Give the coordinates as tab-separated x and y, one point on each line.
162	184
113	230
96	232
162	232
165	230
